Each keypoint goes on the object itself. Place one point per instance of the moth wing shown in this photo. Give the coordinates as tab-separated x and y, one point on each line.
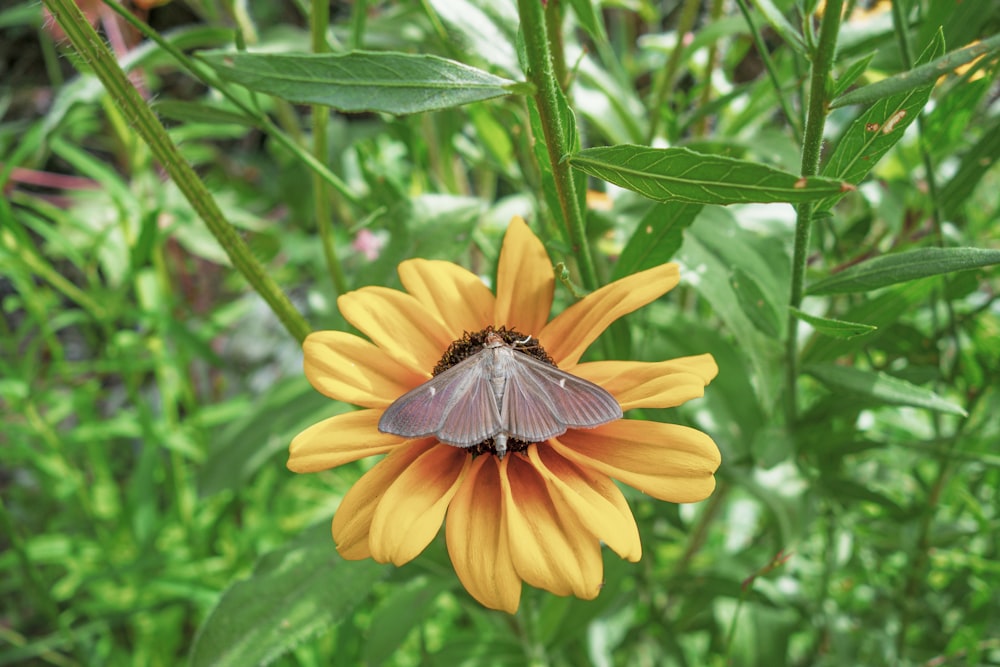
422	411
474	415
542	401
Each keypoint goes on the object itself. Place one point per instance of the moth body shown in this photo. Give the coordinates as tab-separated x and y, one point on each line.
499	394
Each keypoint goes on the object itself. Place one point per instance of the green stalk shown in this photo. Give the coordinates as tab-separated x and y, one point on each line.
713	62
542	74
319	19
96	53
261	119
772	73
359	15
812	143
553	26
664	83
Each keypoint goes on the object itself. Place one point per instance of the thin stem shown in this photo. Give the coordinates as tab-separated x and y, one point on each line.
95	52
553	26
772	73
713	62
262	120
319	20
546	97
359	16
812	145
664	83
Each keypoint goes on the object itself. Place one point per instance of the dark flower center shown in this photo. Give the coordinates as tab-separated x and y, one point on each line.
472	343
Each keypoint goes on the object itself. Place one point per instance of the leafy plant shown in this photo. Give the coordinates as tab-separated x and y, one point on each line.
189	186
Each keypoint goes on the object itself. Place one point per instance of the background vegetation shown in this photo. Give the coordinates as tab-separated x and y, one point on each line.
150	374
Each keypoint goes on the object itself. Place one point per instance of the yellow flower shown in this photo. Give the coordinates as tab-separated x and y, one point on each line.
539	514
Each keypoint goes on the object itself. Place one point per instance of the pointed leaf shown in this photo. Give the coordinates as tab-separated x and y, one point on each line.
781	25
396	83
834	328
975	164
928	73
258	431
665	174
755	303
851	74
881	387
396	616
873	133
902	267
293	593
657	237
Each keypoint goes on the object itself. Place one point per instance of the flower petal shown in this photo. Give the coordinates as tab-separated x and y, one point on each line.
567	336
663	384
667	461
593	497
525	281
338	440
550	549
352	522
399	324
348	368
477	538
457	296
412	510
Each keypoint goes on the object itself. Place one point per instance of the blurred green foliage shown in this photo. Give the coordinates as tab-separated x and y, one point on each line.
148	395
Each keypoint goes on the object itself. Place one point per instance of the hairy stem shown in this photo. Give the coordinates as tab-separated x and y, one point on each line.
542	74
812	145
96	53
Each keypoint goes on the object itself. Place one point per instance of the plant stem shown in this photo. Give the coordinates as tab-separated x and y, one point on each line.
319	20
772	73
812	145
546	96
713	62
665	81
263	122
553	26
96	53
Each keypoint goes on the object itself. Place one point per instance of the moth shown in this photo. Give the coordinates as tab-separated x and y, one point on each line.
502	394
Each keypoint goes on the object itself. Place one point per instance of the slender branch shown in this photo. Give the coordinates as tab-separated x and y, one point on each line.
96	53
772	72
263	122
664	83
812	145
546	96
319	20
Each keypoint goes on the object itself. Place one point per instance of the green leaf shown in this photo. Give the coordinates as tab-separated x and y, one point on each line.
881	387
481	28
975	164
851	74
293	593
928	73
755	303
401	611
882	311
589	21
665	174
873	133
395	83
199	112
834	328
902	267
781	25
709	275
261	431
657	237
